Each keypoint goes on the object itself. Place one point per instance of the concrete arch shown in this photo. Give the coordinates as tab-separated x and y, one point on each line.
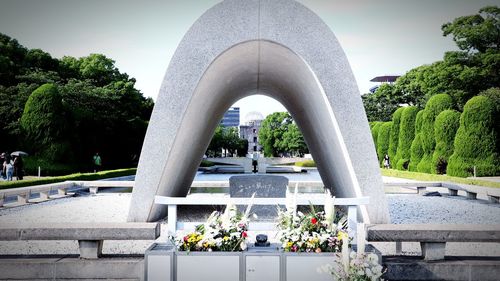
277	48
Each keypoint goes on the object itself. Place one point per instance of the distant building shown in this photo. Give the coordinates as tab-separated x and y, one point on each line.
383	79
250	131
231	118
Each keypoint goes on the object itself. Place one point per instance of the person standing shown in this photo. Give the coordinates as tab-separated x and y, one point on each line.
97	162
18	167
387	162
9	168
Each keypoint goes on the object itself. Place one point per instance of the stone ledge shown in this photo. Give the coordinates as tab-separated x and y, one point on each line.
433	233
452	268
71	267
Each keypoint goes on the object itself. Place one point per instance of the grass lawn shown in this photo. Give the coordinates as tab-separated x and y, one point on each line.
431	177
30	181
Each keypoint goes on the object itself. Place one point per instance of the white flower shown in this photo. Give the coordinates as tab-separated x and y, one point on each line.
372	258
243	246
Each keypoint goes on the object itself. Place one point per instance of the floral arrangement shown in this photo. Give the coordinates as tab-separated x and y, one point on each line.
313	232
221	232
355	267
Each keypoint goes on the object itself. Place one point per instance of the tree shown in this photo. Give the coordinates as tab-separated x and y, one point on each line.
375	126
43	120
383	141
478	32
416	150
476	141
293	141
271	132
380	105
434	106
406	136
394	136
445	128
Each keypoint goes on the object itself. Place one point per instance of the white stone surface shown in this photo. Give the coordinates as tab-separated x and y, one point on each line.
109	207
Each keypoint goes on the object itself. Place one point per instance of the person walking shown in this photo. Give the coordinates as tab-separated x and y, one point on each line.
97	162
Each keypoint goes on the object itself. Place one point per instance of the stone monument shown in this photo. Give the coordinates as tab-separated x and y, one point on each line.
263	186
277	48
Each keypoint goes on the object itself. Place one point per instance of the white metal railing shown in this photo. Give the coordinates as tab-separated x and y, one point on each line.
212	199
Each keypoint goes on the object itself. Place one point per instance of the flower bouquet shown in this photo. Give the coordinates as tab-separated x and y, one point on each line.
355	267
313	232
221	232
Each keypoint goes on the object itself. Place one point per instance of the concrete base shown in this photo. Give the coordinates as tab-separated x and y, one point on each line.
452	192
453	268
72	268
471	195
493	199
421	190
433	251
90	249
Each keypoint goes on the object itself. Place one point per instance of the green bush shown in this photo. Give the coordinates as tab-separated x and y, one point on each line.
434	106
416	150
47	168
306	163
476	140
383	141
44	123
375	126
406	136
394	136
445	128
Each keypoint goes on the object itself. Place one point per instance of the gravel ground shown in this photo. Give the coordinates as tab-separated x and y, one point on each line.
113	207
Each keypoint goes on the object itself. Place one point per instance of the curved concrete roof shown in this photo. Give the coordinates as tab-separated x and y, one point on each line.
239	48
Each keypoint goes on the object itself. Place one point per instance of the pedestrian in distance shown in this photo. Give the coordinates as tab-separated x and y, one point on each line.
9	168
97	162
387	162
18	167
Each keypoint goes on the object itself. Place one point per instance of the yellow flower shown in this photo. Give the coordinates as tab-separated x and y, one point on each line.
341	235
226	238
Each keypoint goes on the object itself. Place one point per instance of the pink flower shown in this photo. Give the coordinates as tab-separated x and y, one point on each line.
244	234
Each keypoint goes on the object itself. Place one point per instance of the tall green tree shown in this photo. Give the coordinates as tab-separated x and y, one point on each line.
394	136
476	141
406	136
445	128
383	141
279	134
416	150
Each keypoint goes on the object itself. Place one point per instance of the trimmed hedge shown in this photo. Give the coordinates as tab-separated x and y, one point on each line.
445	128
476	140
375	126
394	137
77	176
416	151
406	136
434	106
45	125
383	141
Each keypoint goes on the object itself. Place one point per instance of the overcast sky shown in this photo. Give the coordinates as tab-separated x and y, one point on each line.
379	37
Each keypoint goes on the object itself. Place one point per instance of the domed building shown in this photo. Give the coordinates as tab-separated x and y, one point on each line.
250	130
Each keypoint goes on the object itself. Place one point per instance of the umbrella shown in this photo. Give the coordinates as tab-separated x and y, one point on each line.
19	153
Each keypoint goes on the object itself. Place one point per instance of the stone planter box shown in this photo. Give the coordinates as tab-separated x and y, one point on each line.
220	266
305	266
163	263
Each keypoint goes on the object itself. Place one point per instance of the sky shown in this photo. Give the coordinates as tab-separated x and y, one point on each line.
379	37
